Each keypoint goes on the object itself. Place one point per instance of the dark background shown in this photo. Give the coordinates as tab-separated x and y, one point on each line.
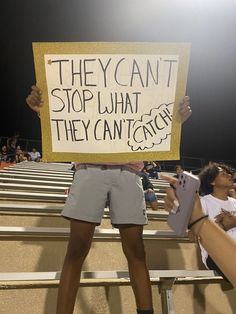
210	27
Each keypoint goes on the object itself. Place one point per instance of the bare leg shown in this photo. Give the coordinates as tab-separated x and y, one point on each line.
154	205
81	234
133	247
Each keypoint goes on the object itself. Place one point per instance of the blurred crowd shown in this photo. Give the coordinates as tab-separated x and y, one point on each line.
12	152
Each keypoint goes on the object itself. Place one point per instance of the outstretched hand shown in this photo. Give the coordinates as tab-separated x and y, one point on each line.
171	202
170	199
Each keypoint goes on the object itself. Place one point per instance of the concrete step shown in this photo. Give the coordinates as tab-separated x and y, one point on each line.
34	238
160	278
187	298
43	197
43	249
7	182
56	220
193	290
32	214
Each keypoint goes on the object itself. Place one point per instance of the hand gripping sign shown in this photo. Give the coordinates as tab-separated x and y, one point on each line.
111	102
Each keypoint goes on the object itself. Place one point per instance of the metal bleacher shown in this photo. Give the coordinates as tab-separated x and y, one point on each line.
33	244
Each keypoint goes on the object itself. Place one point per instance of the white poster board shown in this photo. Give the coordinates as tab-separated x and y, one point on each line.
111	102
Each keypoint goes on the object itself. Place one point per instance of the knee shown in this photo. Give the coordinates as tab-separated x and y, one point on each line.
78	249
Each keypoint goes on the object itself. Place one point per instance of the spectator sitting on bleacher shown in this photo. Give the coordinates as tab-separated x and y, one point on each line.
34	155
150	196
24	156
216	181
213	238
153	168
3	153
178	170
11	147
19	153
232	192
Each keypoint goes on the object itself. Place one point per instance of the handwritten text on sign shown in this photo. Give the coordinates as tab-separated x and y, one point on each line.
110	103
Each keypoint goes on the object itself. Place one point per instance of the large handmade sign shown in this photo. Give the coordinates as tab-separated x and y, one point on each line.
111	102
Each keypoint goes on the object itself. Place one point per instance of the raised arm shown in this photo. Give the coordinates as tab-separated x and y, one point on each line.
216	242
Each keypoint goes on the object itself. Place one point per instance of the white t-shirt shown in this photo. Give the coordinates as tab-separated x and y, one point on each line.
35	155
212	206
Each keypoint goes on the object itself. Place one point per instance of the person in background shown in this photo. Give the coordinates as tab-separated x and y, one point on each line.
178	171
216	182
232	192
150	196
220	246
3	153
34	155
11	147
19	154
122	184
153	168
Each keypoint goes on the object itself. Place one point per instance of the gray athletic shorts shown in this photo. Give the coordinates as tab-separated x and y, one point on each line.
93	186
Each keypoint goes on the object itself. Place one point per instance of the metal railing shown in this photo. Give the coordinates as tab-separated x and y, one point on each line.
188	163
25	143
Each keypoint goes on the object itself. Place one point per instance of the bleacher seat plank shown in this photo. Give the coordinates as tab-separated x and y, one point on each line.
42	196
25	208
17	187
37	173
28	170
43	165
64	232
7	174
46	208
15	280
26	183
33	181
32	195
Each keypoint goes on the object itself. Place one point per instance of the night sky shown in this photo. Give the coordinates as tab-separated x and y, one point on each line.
210	27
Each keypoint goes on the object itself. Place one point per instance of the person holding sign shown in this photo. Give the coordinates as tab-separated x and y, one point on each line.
121	184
